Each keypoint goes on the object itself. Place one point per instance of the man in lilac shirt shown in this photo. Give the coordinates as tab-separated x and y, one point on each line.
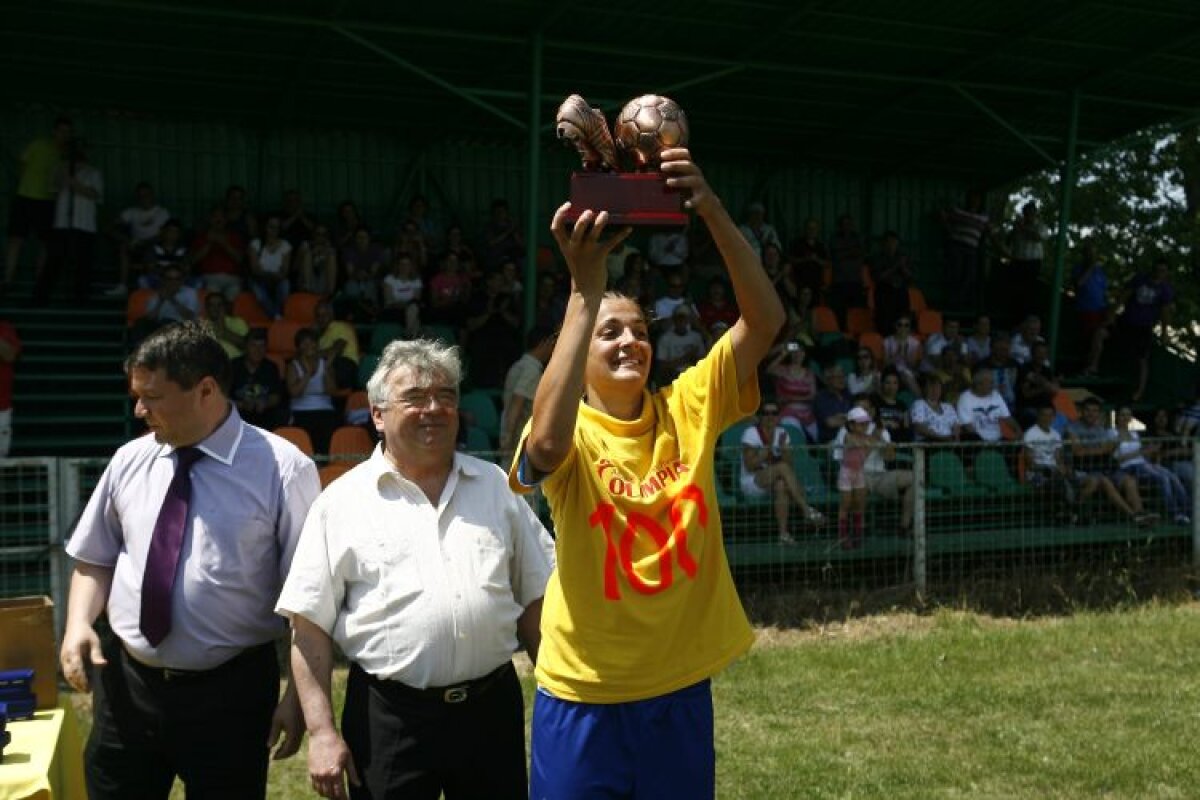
197	702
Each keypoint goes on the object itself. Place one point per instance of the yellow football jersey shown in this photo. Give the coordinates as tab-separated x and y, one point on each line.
642	601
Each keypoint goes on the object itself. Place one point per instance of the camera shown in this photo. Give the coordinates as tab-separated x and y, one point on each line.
792	347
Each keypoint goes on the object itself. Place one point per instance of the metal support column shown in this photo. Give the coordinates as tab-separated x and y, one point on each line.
1066	187
534	168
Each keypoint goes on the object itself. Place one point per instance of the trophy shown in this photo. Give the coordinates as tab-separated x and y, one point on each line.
620	174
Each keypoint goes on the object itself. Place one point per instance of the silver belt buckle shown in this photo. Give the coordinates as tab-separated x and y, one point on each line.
455	694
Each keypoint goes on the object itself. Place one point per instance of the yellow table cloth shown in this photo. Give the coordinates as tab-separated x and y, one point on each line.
44	760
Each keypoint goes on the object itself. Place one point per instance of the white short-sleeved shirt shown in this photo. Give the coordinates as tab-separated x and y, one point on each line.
940	420
1043	445
752	437
72	210
874	462
271	261
983	414
144	223
422	594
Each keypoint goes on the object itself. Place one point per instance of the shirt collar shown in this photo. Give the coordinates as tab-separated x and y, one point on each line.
379	466
222	443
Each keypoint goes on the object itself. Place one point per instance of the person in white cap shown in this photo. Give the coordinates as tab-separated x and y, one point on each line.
852	481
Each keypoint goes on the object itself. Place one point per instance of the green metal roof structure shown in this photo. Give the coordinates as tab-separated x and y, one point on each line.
979	89
982	91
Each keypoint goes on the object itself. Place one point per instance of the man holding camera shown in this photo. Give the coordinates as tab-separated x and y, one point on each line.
73	236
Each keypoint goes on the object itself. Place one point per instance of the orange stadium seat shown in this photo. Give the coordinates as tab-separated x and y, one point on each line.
136	305
297	436
916	300
824	320
246	306
350	443
333	470
859	321
929	322
873	342
301	307
281	337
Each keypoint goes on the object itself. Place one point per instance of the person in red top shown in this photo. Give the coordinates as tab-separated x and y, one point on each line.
10	348
717	306
219	255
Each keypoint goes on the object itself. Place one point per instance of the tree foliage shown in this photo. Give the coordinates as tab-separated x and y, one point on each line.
1136	199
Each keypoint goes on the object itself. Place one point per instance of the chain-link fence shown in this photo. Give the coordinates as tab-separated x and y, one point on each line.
933	516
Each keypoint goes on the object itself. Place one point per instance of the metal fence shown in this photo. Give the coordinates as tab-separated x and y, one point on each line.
978	513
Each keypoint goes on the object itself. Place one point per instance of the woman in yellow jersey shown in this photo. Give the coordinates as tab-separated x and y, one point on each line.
641	609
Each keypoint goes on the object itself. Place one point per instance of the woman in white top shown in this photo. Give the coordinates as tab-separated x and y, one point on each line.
319	264
767	468
933	419
402	294
1131	458
311	386
902	350
270	268
865	378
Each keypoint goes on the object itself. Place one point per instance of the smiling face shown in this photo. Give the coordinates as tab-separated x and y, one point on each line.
419	423
620	354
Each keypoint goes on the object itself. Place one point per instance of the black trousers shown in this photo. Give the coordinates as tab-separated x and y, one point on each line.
208	728
71	249
412	744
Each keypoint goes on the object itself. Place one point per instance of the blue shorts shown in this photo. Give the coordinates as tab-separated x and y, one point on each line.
659	749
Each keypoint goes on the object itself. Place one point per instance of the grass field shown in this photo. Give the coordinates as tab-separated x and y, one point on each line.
955	704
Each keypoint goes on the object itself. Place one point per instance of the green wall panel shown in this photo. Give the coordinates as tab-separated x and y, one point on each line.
191	162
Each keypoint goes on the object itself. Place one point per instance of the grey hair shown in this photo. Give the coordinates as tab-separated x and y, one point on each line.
428	358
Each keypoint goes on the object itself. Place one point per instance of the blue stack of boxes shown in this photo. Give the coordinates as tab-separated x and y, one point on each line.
17	700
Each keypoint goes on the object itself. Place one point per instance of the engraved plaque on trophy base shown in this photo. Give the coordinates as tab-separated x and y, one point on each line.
630	198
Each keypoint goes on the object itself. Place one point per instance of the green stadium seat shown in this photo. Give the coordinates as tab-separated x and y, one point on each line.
366	367
384	334
946	472
482	413
443	333
992	472
478	443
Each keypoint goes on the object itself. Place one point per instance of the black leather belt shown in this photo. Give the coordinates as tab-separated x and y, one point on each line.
172	674
453	695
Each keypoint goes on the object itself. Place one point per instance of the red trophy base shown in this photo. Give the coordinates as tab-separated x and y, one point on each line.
630	198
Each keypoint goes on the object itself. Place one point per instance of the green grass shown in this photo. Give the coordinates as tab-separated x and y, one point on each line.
955	705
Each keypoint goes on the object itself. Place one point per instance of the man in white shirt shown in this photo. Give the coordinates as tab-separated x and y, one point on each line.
427	572
136	230
1045	465
981	410
520	387
73	236
679	347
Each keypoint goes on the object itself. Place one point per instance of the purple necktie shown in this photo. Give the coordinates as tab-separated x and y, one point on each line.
165	546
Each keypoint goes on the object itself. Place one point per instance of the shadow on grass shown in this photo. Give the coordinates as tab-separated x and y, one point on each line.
1040	585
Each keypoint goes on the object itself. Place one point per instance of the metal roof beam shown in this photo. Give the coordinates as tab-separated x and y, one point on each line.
1008	126
429	76
226	15
574	46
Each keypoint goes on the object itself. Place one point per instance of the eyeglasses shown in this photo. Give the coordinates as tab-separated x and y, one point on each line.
418	400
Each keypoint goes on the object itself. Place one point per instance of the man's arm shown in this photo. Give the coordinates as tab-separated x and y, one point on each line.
529	629
90	585
312	670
